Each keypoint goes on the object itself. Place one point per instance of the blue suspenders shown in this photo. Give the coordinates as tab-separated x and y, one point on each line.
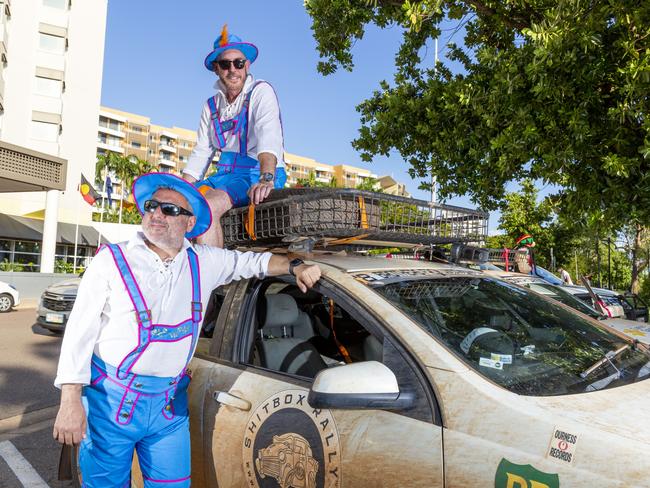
238	125
149	332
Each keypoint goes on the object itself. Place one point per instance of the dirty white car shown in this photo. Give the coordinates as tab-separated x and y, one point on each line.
405	373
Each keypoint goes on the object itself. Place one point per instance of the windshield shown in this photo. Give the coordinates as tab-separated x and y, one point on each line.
517	338
557	293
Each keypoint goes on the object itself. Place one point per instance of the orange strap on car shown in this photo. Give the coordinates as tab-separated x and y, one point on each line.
249	221
344	351
346	240
362	210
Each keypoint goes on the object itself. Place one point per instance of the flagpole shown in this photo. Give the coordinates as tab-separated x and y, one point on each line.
101	213
76	234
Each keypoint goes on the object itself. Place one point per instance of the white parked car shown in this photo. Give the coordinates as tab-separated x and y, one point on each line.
9	297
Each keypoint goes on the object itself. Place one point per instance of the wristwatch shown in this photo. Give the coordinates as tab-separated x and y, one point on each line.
267	177
293	263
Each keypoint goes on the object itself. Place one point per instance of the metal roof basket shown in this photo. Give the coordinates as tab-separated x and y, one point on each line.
504	257
339	216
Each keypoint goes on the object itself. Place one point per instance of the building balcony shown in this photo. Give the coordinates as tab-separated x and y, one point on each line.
169	135
50	60
4	41
51	105
167	148
111	132
111	116
54	16
167	162
110	147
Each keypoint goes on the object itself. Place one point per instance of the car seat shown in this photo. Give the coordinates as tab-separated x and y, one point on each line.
285	335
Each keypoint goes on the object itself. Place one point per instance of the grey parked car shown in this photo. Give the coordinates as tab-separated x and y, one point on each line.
56	303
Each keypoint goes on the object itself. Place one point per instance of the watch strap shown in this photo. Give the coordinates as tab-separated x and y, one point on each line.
293	264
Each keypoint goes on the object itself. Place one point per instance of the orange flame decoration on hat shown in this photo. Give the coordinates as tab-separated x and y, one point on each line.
224	35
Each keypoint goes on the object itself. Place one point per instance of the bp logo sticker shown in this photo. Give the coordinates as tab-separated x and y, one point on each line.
510	475
288	444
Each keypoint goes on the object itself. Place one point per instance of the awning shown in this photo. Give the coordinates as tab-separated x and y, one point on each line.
15	227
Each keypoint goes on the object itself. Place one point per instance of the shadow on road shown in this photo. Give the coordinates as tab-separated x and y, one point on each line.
37	329
25	390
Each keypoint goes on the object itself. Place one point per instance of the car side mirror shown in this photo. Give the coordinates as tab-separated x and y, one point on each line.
364	385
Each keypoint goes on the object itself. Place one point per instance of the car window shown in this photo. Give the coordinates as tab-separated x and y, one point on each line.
300	334
211	316
546	275
557	293
517	338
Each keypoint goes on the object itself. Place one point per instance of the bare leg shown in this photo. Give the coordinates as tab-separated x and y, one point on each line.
220	203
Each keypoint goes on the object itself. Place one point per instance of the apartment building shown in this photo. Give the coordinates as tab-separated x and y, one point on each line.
51	59
129	134
169	148
389	185
345	176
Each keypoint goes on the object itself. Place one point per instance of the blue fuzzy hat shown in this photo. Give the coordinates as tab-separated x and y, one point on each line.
146	185
225	42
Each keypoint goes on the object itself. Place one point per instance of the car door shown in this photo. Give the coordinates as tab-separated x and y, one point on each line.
258	427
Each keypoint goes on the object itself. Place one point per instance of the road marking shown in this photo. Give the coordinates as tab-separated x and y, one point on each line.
24	471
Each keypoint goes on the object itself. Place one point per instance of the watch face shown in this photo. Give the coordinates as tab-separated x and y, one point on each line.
267	177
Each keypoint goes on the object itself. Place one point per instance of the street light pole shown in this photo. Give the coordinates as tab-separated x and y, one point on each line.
609	263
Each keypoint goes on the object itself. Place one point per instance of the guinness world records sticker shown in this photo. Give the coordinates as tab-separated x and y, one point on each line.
287	443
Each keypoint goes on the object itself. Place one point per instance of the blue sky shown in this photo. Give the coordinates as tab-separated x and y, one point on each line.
153	66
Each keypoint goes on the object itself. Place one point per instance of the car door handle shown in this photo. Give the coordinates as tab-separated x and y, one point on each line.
231	400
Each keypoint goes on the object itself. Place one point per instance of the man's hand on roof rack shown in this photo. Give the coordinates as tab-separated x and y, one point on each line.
260	191
306	274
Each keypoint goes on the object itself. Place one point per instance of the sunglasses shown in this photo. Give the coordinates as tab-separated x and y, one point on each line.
224	64
166	208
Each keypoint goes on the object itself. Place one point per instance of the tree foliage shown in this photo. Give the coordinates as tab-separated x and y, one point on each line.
549	91
312	182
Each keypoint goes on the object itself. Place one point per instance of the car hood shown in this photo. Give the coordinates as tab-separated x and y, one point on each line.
636	330
618	411
66	287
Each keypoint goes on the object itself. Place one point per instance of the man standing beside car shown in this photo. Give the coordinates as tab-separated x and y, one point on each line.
243	122
566	277
133	330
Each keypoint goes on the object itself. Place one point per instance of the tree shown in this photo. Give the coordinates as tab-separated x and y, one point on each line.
126	169
369	184
312	182
541	96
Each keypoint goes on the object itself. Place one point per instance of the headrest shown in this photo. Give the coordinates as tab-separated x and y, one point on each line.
281	310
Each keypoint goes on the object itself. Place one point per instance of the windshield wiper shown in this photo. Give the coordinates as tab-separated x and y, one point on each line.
607	358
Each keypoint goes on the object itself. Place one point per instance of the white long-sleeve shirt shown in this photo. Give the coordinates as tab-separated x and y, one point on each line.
264	127
103	318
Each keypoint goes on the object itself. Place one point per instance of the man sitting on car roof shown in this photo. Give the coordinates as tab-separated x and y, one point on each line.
243	122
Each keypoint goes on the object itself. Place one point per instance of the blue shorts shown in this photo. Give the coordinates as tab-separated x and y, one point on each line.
237	181
161	436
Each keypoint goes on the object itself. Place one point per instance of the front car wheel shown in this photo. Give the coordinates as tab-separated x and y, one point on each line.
6	302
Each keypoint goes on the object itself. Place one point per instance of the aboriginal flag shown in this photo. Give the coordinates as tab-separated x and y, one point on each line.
87	191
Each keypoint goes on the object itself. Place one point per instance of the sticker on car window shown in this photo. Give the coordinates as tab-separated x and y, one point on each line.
286	440
563	446
501	358
490	363
511	475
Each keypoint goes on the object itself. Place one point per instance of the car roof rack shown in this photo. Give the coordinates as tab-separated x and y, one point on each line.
303	218
503	256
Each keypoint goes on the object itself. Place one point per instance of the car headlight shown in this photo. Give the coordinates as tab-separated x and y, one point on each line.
12	286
